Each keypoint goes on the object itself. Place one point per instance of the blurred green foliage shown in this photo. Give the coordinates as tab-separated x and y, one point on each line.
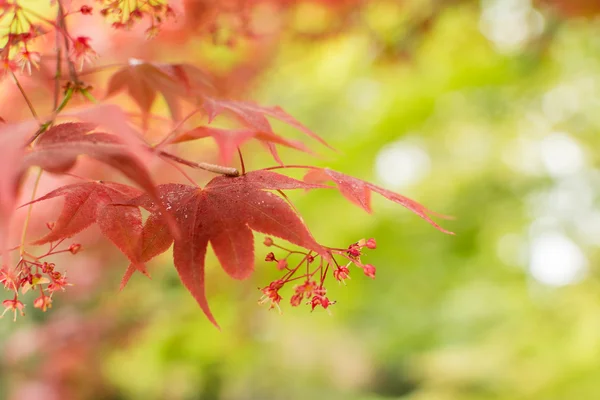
448	317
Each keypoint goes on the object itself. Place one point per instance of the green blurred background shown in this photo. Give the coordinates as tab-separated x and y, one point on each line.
487	111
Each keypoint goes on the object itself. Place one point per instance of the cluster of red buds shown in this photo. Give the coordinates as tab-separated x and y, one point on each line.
311	272
124	14
32	273
24	26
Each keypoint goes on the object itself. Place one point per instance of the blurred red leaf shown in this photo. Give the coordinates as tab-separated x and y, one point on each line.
359	192
254	116
143	80
57	151
228	140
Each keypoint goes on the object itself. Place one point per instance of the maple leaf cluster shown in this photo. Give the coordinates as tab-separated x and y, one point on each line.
144	219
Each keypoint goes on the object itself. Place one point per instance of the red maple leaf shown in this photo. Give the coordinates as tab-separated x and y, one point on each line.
254	116
105	203
228	140
58	149
143	81
359	193
225	213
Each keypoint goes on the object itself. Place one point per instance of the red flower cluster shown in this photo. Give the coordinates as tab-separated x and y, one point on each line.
313	275
124	14
23	27
31	273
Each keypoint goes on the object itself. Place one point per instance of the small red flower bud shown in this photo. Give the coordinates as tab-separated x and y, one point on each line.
354	250
81	50
271	293
270	257
314	302
14	305
43	302
369	270
307	289
310	259
371	244
48	268
325	302
136	14
341	273
320	301
58	283
74	248
268	242
86	10
296	299
282	264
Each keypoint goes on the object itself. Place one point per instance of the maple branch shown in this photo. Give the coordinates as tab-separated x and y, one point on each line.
29	104
218	169
63	27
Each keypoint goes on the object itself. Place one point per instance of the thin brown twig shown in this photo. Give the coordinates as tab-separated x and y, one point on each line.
218	169
63	26
29	104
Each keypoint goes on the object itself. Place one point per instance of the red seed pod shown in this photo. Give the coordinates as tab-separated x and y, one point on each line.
296	299
268	242
354	250
74	248
371	244
43	302
341	273
270	257
369	270
282	264
86	10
